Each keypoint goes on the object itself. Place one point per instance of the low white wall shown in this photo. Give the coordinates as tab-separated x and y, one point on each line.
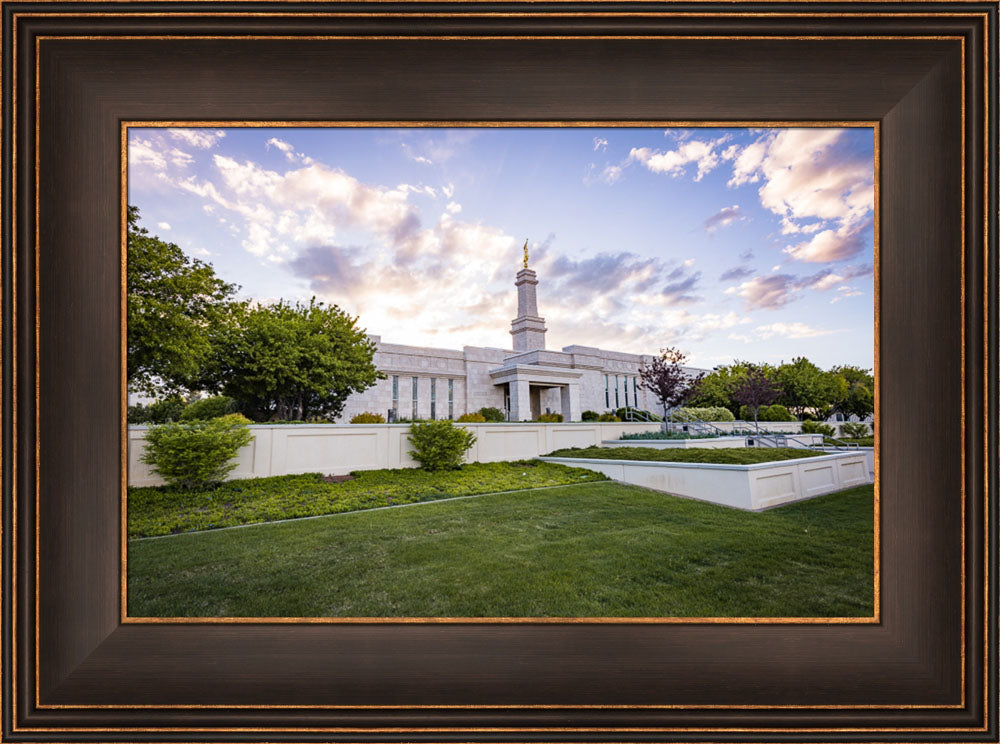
717	443
751	487
338	449
868	452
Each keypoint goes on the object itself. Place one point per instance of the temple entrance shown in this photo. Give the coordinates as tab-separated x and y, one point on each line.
536	402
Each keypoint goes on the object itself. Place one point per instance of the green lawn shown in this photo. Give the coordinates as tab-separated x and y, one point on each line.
161	510
598	549
728	455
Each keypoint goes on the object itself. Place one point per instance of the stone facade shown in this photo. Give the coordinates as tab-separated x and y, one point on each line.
525	381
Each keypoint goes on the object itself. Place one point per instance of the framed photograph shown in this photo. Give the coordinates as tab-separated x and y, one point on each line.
90	90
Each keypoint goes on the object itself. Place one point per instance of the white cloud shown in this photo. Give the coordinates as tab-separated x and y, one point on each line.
163	225
831	245
142	152
789	330
453	208
611	173
723	218
814	183
703	153
203	139
688	263
600	144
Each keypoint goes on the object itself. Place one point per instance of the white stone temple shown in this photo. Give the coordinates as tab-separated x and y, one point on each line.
429	383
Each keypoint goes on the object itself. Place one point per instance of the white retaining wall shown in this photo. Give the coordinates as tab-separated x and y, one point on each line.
338	449
751	487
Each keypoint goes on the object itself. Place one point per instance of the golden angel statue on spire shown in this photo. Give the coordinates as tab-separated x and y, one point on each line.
526	253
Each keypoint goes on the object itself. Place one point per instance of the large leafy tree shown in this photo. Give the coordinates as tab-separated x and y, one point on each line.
855	391
174	303
291	362
666	378
805	386
756	389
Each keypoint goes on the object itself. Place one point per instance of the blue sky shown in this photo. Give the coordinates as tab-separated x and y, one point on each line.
752	244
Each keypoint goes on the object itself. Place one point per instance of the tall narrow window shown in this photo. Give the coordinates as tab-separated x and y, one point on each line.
451	399
414	416
395	395
607	394
434	391
617	404
626	391
635	391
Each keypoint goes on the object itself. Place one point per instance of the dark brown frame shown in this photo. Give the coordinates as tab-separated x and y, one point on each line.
73	71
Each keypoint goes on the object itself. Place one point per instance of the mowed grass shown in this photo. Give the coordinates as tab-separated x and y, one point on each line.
722	455
599	549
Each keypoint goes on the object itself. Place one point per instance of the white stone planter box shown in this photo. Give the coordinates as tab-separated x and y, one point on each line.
751	487
868	452
717	443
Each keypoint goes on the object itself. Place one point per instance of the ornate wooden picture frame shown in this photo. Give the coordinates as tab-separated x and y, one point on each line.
926	72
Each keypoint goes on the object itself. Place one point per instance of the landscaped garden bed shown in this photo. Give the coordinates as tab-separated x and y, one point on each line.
753	478
589	550
726	456
161	510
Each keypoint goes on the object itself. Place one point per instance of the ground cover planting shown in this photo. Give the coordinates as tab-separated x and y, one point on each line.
161	510
598	549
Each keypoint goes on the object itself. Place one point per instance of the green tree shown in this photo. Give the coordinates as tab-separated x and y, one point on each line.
804	384
856	392
173	303
291	362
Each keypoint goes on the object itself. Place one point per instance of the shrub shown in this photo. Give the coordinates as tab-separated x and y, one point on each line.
493	415
714	413
767	413
366	417
814	427
439	445
157	412
208	408
776	412
608	416
196	454
551	418
589	416
853	430
472	418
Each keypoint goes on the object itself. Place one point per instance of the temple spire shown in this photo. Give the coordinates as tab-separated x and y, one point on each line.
528	328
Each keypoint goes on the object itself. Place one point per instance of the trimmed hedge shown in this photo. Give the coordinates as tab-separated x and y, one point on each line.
492	415
550	418
713	413
208	408
472	418
366	417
